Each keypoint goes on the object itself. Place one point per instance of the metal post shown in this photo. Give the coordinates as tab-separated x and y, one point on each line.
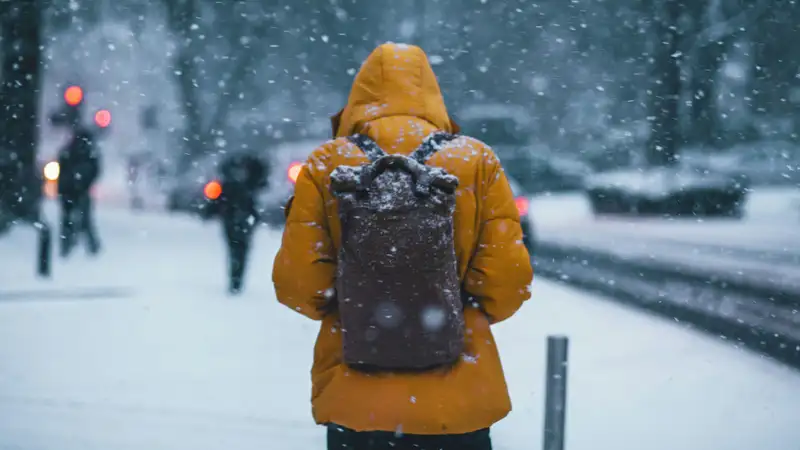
45	248
555	406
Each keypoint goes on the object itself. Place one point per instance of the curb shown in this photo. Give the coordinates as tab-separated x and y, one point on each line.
763	318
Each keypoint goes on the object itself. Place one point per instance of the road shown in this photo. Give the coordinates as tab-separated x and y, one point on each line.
141	348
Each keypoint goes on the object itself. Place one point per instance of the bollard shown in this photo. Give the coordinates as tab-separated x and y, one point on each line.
45	249
555	406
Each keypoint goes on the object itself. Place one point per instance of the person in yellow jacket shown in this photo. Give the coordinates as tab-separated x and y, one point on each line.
396	101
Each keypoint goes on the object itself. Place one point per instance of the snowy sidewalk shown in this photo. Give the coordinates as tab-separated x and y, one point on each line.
166	361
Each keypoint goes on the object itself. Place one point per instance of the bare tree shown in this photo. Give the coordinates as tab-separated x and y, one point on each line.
211	85
19	97
716	26
666	87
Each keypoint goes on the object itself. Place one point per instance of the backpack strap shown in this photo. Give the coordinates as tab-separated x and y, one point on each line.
430	145
368	146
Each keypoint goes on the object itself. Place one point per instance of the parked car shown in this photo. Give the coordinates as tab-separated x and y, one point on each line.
286	162
553	173
280	144
760	163
189	192
508	129
522	202
186	192
673	191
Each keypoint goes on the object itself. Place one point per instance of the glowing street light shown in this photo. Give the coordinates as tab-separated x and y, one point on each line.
212	190
73	95
52	170
102	118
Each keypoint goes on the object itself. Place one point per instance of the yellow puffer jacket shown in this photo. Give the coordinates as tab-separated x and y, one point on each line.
395	99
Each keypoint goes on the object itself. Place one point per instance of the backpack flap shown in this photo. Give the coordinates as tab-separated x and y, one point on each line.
355	179
359	179
429	177
346	179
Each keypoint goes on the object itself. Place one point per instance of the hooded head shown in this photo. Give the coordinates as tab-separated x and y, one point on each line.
395	80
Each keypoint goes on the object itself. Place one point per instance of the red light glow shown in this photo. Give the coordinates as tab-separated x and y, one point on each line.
212	190
73	95
523	205
102	118
294	171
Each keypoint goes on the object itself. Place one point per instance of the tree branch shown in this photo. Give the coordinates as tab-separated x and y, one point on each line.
236	79
721	30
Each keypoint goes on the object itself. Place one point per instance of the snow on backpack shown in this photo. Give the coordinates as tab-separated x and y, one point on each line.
397	283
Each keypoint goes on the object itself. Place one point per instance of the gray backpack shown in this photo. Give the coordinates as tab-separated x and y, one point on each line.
397	281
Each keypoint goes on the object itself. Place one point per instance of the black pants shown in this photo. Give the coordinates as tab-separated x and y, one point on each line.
77	219
238	235
340	438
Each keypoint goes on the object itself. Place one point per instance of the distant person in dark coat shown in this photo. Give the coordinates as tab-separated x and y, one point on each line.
79	164
241	178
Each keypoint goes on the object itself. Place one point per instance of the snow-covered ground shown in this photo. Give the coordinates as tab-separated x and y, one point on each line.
141	349
766	239
766	209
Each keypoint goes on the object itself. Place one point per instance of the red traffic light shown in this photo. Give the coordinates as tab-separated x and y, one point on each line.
212	190
102	118
73	95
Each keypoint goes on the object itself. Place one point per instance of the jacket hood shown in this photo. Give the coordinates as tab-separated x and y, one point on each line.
394	80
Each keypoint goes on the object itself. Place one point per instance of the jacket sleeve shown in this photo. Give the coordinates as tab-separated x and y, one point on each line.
305	266
500	273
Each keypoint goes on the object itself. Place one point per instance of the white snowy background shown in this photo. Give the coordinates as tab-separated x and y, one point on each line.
142	348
